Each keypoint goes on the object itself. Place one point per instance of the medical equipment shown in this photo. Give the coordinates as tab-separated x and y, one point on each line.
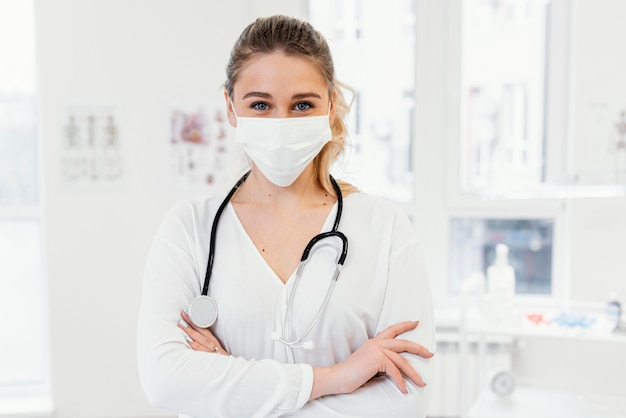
614	309
203	309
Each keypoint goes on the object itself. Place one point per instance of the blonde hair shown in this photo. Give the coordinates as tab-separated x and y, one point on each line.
298	38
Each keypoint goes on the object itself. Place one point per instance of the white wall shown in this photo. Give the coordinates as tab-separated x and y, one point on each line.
598	227
140	56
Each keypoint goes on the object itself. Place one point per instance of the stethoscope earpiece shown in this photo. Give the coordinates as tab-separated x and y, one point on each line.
307	345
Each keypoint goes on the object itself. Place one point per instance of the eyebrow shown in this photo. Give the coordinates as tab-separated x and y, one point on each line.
305	96
297	96
257	94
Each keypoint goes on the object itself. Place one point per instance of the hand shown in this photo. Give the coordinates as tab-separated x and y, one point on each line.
377	355
202	339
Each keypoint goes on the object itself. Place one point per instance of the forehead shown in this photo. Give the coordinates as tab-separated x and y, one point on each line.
277	74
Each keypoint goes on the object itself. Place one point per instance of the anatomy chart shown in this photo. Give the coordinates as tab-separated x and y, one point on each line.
91	151
199	139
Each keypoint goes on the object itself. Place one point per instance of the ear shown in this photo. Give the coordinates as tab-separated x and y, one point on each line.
230	113
333	110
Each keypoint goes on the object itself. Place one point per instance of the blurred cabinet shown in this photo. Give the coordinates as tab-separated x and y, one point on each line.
585	383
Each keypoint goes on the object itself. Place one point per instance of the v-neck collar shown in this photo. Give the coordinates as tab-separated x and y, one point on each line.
326	226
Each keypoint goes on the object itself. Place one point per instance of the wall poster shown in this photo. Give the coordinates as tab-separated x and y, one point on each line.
91	151
604	152
200	136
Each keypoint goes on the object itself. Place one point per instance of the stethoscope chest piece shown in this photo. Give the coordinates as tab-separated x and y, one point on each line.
202	311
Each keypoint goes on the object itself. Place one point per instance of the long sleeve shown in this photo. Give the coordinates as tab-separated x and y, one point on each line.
407	296
201	384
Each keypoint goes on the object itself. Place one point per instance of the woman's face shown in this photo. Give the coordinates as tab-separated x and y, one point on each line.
279	86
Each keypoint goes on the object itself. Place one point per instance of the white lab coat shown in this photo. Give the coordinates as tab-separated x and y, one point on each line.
382	283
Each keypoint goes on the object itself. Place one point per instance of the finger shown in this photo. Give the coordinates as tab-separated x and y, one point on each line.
400	345
200	347
407	346
201	336
188	320
220	350
204	337
209	349
216	349
405	367
393	372
201	343
394	330
185	317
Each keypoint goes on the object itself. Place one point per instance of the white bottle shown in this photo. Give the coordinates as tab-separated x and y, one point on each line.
501	289
500	275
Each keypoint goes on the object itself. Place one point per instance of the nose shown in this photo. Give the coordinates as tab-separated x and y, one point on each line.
282	112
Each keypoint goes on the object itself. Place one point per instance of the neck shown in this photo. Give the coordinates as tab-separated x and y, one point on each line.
306	190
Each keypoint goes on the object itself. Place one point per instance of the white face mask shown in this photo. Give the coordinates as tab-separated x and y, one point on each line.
282	147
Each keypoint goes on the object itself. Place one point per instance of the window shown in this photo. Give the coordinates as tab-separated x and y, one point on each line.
472	250
22	353
362	34
503	93
511	140
24	348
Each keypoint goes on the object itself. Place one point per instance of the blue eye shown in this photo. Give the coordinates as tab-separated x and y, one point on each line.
260	106
302	106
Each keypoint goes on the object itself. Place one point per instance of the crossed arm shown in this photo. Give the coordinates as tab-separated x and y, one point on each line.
378	355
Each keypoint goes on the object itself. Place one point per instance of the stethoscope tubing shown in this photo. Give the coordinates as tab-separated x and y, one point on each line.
218	215
289	309
334	232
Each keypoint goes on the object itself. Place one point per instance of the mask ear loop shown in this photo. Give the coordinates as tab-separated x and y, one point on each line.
233	106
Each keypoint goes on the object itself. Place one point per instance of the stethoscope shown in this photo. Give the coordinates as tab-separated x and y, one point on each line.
203	309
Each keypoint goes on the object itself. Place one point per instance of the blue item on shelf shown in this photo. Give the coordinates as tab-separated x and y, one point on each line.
573	319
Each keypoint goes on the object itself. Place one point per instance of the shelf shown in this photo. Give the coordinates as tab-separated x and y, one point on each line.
553	192
27	407
578	321
528	402
550	332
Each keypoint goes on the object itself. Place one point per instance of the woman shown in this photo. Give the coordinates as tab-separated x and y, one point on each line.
307	344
